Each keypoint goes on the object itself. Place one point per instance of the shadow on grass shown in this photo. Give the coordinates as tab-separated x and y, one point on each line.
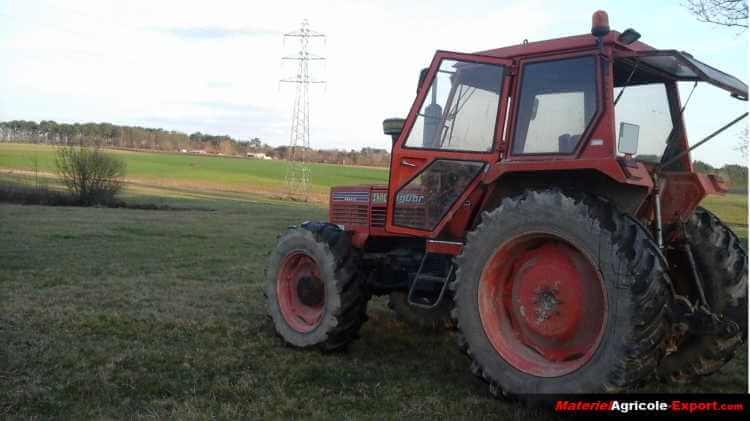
22	194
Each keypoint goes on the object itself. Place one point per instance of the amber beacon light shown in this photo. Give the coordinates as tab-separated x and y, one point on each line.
599	23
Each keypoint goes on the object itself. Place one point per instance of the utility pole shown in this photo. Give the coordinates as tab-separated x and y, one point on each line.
298	173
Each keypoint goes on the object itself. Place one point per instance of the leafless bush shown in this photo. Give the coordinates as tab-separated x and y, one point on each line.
93	176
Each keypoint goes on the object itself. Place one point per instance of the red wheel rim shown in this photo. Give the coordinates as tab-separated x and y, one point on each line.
298	270
543	305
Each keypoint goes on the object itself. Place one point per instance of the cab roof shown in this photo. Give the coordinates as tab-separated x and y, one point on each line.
676	65
561	45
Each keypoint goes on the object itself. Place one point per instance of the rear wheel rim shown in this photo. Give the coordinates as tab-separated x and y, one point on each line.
543	305
300	291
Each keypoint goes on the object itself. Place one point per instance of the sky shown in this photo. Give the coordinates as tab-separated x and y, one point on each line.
215	66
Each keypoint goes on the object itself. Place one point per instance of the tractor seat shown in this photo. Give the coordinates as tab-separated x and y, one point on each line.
567	143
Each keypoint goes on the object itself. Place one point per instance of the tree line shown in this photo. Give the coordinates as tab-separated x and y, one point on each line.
736	175
134	137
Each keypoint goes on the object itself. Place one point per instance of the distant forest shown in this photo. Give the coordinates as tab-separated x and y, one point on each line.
131	137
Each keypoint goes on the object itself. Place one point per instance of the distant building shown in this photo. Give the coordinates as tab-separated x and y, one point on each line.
258	155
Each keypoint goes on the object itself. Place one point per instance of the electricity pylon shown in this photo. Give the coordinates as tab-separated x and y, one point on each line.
298	173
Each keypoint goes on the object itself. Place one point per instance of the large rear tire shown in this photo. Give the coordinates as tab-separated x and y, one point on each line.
558	293
722	264
313	294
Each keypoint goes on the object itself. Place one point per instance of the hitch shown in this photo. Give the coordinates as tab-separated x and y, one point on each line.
699	320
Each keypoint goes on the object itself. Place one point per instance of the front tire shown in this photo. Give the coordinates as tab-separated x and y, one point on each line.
313	294
561	294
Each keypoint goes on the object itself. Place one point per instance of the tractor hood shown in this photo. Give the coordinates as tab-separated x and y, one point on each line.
682	66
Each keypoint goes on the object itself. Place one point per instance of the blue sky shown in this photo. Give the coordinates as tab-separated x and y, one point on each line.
214	66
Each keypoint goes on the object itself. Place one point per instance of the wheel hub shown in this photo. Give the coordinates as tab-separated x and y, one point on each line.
546	303
310	290
545	298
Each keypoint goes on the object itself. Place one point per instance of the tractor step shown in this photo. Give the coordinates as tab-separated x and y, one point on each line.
427	274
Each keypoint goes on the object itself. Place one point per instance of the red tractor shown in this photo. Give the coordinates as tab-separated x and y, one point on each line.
543	197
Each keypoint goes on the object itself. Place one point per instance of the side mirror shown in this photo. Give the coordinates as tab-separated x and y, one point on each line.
628	139
422	77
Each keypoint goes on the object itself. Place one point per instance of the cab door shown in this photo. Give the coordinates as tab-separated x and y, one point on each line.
450	137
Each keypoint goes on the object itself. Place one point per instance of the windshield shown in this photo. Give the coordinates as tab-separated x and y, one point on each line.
460	109
643	101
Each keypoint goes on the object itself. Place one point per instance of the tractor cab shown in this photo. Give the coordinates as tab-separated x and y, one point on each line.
600	110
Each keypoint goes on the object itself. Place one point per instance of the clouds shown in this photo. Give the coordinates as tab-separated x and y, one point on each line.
216	32
214	66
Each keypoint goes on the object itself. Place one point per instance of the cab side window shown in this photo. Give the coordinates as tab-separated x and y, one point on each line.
558	101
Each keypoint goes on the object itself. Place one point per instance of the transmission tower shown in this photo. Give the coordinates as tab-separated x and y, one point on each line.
298	173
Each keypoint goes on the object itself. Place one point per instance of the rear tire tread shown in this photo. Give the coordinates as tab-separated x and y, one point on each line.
718	249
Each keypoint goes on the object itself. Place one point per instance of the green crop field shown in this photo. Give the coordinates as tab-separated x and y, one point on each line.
114	313
200	171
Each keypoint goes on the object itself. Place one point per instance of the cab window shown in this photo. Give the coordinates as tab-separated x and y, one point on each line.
460	110
642	100
558	101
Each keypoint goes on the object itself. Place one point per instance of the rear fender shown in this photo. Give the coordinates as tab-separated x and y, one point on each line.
683	191
628	197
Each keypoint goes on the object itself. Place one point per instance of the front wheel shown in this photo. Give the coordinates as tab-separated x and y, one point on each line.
313	294
557	293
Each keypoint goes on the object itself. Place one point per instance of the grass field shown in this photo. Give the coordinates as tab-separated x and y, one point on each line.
208	173
113	313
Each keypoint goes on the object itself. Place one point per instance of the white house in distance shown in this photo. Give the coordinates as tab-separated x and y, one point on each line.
258	155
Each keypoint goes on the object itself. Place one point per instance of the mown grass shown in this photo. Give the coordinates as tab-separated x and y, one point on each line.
203	172
116	313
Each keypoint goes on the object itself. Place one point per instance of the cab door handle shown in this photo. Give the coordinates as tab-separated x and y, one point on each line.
408	163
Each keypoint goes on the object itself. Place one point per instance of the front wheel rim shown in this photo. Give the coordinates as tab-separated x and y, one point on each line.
542	304
300	291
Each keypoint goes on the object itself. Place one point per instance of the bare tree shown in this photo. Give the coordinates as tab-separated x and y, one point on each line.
93	176
742	144
732	13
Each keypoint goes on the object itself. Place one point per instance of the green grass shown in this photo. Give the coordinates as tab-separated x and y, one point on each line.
732	209
111	312
203	172
115	313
